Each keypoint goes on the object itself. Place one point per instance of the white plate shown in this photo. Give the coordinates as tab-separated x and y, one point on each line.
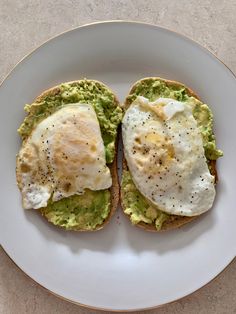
120	267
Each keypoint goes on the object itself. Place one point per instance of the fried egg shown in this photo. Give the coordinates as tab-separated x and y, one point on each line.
164	151
63	156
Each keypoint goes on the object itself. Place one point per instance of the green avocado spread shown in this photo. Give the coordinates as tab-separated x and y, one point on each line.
79	212
89	210
135	204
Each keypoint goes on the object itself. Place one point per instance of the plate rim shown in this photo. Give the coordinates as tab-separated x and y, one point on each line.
86	306
45	43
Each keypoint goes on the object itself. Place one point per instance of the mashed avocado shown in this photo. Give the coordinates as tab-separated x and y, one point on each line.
135	204
78	212
89	210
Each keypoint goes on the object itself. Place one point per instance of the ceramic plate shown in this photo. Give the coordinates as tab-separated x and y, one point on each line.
121	267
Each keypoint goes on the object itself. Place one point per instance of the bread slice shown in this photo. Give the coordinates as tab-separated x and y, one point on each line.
174	221
114	189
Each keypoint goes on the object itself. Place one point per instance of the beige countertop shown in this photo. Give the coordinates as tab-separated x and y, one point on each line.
25	25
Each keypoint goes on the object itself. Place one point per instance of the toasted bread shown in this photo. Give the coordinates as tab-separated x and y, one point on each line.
114	189
173	221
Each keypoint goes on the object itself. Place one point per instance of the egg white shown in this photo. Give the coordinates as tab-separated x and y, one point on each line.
63	156
164	151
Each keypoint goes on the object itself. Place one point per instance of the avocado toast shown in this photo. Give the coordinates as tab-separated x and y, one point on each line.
141	210
86	209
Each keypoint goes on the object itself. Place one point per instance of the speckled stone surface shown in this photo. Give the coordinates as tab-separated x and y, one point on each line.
26	24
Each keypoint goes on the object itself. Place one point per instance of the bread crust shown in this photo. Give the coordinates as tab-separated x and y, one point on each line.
114	189
177	221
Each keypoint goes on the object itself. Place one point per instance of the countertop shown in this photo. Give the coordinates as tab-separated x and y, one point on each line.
27	24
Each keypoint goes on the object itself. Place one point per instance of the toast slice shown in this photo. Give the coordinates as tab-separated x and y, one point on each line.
113	190
173	221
